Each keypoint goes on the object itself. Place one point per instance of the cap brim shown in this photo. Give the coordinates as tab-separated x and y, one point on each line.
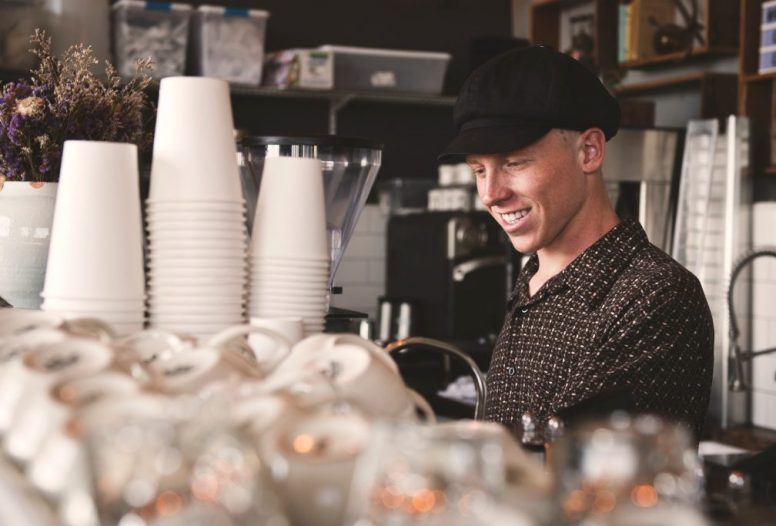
491	140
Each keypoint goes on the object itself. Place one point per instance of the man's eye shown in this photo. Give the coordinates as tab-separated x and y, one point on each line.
514	164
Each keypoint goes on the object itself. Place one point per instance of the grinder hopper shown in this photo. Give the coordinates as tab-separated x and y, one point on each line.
350	167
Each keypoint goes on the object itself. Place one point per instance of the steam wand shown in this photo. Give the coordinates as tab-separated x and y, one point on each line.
446	349
737	380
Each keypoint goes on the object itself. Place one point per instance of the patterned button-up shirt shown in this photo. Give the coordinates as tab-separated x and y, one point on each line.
623	314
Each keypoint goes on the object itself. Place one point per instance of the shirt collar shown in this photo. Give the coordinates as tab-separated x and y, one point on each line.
594	271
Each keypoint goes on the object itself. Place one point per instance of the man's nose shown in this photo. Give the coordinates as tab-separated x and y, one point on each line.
492	189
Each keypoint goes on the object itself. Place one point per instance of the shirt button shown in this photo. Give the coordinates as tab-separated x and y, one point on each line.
511	371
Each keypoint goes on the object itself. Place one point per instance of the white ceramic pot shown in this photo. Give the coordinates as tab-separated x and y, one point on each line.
26	213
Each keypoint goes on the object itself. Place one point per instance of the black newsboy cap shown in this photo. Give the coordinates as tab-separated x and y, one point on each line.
514	99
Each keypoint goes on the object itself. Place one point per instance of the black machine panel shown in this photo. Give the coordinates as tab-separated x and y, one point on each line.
454	268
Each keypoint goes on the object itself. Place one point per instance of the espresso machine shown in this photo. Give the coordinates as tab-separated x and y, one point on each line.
454	270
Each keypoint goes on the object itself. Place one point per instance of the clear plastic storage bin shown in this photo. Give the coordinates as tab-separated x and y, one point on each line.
158	30
229	43
357	68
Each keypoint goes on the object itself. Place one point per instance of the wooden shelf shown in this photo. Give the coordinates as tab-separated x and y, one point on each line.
755	96
682	56
558	3
661	84
718	91
760	77
343	97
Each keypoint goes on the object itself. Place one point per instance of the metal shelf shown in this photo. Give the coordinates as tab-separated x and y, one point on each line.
337	99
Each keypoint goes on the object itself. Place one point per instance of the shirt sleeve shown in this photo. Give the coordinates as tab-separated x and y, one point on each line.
659	346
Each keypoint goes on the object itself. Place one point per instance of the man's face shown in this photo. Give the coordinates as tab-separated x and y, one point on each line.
536	191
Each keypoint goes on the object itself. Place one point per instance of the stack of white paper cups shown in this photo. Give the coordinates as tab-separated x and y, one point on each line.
197	270
289	246
95	264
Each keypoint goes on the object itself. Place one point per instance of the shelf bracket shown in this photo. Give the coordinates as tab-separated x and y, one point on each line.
335	105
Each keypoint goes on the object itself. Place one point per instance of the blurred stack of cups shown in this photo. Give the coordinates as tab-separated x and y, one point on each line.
195	211
95	264
289	248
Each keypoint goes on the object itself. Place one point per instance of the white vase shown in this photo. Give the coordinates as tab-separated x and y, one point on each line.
26	212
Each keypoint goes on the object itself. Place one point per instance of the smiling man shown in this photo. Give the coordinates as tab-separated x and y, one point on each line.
597	307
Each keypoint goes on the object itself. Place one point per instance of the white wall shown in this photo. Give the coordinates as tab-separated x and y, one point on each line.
764	317
361	273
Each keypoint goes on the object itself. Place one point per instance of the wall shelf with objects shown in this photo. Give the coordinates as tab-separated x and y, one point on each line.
656	33
547	27
757	88
690	29
718	91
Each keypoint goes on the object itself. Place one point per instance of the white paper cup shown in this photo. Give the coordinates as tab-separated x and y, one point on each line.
192	213
169	288
194	155
217	243
201	225
199	206
56	304
234	236
289	271
289	279
194	257
290	219
292	262
265	311
96	240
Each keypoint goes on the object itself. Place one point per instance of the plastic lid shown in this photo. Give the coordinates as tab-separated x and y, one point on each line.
155	6
311	140
232	11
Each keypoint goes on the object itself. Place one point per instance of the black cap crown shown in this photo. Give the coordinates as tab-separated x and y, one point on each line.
515	98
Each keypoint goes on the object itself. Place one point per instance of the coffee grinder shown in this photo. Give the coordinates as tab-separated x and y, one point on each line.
350	167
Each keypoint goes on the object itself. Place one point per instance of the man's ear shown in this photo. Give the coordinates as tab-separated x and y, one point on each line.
593	146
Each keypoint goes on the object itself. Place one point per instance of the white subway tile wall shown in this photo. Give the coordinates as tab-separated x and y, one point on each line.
361	273
764	317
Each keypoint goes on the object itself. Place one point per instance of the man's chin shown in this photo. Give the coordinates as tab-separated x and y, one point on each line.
523	245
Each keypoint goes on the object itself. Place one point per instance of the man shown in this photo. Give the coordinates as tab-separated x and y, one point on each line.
597	307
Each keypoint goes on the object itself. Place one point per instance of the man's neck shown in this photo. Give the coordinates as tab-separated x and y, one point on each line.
577	237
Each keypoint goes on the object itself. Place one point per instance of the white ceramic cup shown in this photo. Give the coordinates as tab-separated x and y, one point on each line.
194	154
39	371
12	350
49	469
275	345
349	367
96	240
264	347
290	219
16	321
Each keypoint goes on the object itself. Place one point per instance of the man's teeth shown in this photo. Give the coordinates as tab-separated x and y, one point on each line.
514	216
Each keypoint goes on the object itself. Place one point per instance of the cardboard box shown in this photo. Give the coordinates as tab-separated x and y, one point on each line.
300	68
